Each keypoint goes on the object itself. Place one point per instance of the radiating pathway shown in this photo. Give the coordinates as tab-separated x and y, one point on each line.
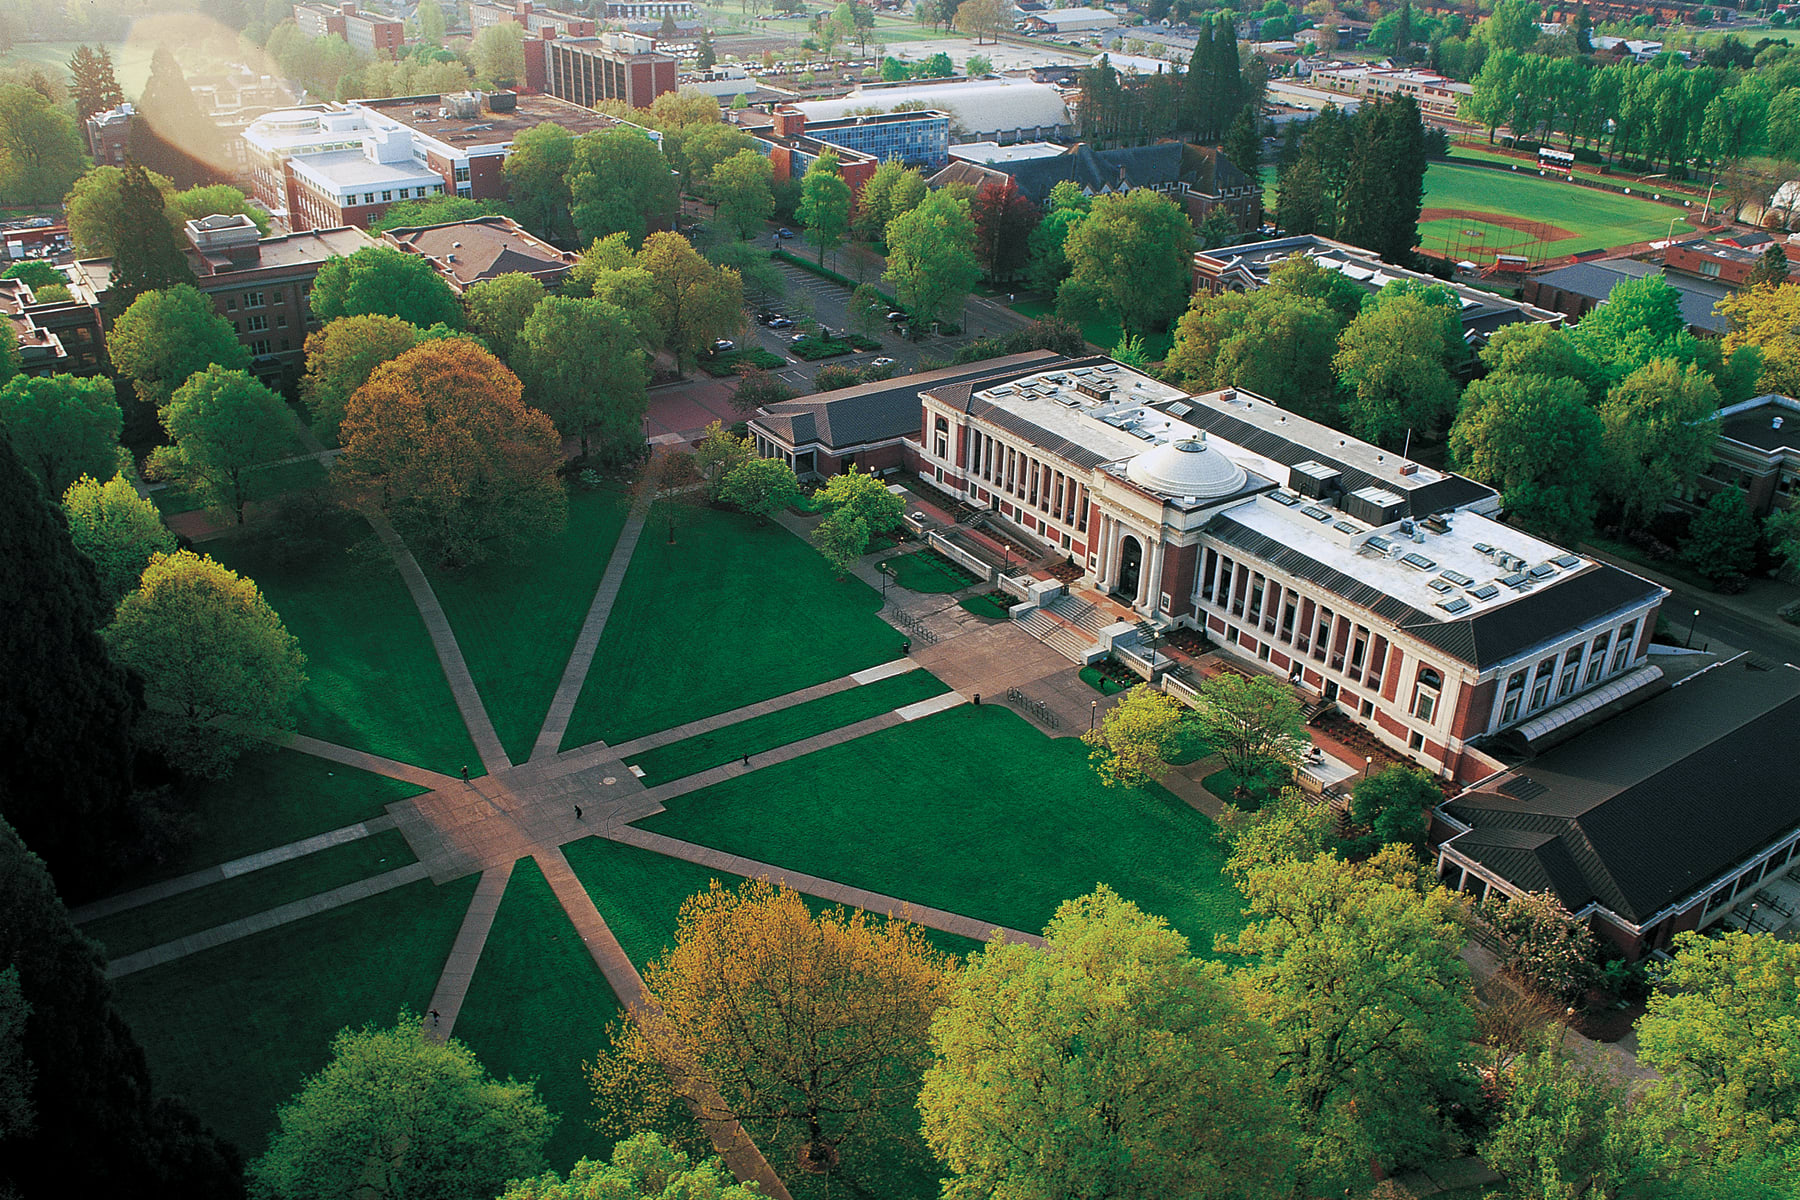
568	690
465	952
813	885
363	760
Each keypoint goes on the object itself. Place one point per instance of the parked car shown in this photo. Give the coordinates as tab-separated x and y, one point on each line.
883	361
797	339
780	322
783	234
895	317
724	346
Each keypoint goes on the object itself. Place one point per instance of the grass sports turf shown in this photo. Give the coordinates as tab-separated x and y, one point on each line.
972	811
789	725
732	613
373	678
250	893
517	620
538	1006
1593	219
238	1028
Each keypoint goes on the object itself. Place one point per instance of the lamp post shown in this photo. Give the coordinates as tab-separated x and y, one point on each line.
1093	711
1368	761
1689	643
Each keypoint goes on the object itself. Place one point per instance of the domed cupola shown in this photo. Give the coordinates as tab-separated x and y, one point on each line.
1188	467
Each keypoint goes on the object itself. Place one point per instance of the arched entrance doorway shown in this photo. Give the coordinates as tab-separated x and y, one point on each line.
1131	565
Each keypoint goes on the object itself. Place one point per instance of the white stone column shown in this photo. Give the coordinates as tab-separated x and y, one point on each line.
1152	580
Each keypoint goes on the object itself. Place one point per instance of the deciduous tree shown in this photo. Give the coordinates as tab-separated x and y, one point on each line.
1659	434
1132	743
1566	1130
813	1029
1004	220
824	204
1269	342
499	307
743	189
95	207
581	361
435	210
340	358
1392	804
440	441
224	426
619	182
691	301
1721	539
1133	256
642	1167
1111	1063
219	667
1391	360
1357	969
1249	722
1545	945
1723	1034
1536	439
210	200
402	1114
1767	318
931	257
63	427
378	279
166	336
498	53
537	181
842	538
864	496
761	487
757	388
117	529
41	152
719	453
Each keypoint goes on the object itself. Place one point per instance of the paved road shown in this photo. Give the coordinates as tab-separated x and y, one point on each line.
1743	622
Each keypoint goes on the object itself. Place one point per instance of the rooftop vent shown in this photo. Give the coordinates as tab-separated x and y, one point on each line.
1486	591
1418	562
1455	605
1567	562
1458	578
1316	513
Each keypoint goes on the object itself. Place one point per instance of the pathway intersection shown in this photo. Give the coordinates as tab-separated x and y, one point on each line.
488	823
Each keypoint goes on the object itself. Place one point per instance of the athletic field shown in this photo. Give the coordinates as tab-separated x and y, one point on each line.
1476	212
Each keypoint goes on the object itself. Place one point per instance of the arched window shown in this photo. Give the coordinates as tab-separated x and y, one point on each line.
1425	694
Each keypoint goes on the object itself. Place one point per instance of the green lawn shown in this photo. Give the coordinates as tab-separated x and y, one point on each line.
972	811
538	1007
732	613
271	798
927	571
373	679
1593	219
253	892
1100	330
789	725
131	60
237	1029
517	621
270	482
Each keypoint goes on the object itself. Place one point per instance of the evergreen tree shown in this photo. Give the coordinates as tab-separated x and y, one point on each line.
1243	141
91	82
97	1131
170	134
151	261
1403	33
1214	89
66	712
1584	29
1772	268
1385	187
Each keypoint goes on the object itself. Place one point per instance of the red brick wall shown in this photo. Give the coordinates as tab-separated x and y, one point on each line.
1474	705
1178	578
1390	678
486	179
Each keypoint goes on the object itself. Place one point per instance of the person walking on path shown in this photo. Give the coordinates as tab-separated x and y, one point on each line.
465	772
746	760
434	1018
578	812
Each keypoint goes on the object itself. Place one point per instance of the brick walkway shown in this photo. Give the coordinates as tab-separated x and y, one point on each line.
812	885
568	691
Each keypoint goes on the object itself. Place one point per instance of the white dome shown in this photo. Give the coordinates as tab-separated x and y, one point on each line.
1188	467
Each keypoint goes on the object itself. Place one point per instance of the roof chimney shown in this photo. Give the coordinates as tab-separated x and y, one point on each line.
1777	424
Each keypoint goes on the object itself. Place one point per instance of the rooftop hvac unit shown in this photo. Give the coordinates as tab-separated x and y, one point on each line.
1375	506
502	102
1314	479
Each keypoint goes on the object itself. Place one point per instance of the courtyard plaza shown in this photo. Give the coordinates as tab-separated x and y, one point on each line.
510	880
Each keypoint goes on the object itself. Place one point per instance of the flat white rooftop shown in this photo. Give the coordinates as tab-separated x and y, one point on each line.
344	170
1114	429
1442	574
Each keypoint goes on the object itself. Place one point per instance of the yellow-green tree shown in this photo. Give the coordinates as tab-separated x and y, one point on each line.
219	667
1767	318
341	357
691	301
1131	746
824	204
226	428
1111	1063
117	529
813	1030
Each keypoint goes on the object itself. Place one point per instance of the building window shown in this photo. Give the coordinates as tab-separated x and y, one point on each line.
1515	692
281	297
284	344
281	320
1623	647
387	197
259	347
1540	687
256	324
1571	671
1596	659
1425	694
253	299
462	174
231	304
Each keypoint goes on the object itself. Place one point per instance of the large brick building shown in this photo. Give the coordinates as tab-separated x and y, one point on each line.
374	35
612	66
536	22
346	164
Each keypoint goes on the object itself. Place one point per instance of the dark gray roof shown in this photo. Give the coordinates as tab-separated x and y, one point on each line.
1756	426
1596	281
1642	811
1441	495
877	412
1095	170
1483	639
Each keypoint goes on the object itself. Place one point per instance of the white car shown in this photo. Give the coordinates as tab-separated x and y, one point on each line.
883	361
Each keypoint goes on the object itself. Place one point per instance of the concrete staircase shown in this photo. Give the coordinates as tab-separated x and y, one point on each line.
1079	612
1057	636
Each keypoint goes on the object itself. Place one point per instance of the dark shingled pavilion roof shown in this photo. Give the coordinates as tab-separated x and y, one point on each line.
1643	811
